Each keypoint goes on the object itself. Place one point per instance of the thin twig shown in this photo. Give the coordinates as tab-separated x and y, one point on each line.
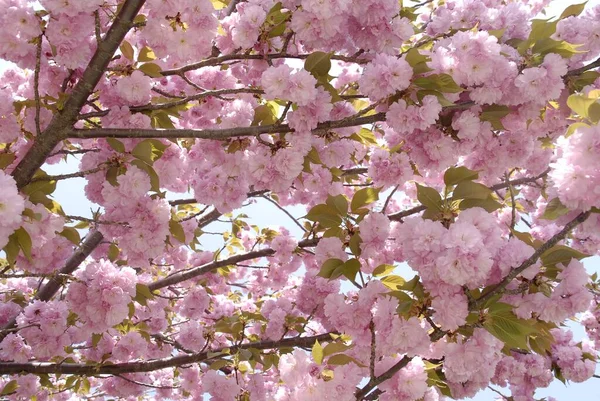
284	211
389	198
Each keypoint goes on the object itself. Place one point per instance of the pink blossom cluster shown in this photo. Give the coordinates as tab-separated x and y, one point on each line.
571	357
141	223
44	328
568	298
181	32
11	208
101	295
524	373
574	165
469	365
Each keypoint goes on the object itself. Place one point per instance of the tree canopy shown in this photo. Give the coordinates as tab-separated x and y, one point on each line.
444	155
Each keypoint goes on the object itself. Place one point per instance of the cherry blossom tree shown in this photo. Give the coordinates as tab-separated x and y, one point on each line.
455	140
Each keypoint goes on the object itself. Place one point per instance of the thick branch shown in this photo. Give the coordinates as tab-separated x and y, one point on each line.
156	364
360	394
215	134
184	275
531	260
591	66
63	121
237	57
47	292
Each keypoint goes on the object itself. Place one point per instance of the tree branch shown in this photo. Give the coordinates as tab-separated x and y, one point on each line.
237	57
478	303
62	122
363	392
583	69
156	364
47	292
215	134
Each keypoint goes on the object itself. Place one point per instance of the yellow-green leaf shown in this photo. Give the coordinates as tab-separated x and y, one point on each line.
9	388
573	10
176	230
151	69
329	267
127	50
561	254
554	210
471	190
146	54
338	203
71	234
317	352
318	63
393	282
429	197
383	270
116	145
580	104
454	175
326	216
363	197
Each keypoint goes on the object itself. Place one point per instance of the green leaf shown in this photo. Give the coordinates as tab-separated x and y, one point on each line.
154	182
334	348
562	48
471	190
143	151
580	104
96	337
573	127
325	215
509	329
6	159
439	82
561	254
116	145
265	114
219	364
176	230
151	69
554	210
417	61
494	113
342	359
354	244
429	197
349	269
71	234
161	119
383	270
364	197
393	282
594	113
329	266
573	10
490	204
441	98
338	203
24	241
454	175
127	50
142	294
10	387
317	353
318	64
146	54
111	176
